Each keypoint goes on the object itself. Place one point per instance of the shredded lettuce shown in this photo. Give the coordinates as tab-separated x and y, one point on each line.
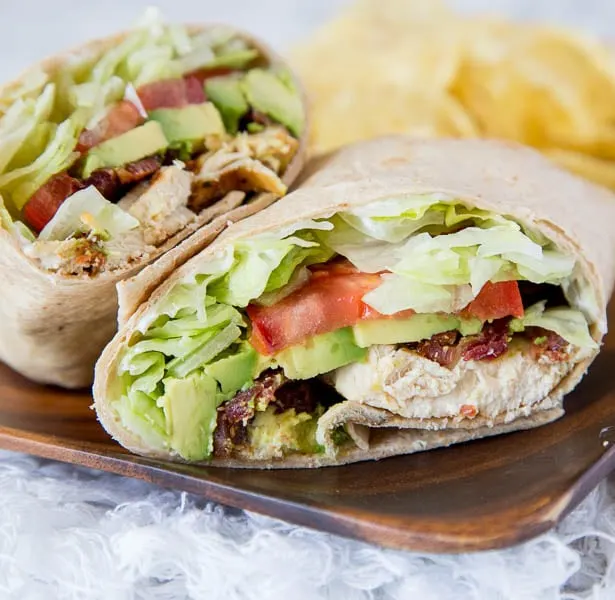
21	123
563	320
30	85
88	210
432	269
21	183
397	293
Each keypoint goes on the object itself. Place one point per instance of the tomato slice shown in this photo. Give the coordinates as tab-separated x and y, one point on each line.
172	93
497	300
44	204
122	117
331	299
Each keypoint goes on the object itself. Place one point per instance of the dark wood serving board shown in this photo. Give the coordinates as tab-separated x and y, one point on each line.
485	494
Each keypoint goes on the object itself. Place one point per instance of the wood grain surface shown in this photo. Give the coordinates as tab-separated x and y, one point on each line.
485	494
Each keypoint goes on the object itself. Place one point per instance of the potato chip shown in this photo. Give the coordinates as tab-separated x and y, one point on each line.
415	67
534	75
596	169
345	120
392	14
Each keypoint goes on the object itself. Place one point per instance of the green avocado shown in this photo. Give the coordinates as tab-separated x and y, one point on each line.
236	370
320	354
190	407
284	432
233	59
470	326
414	329
139	413
226	94
133	145
189	124
271	95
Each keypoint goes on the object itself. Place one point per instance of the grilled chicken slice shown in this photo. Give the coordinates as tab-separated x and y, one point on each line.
160	205
413	386
248	163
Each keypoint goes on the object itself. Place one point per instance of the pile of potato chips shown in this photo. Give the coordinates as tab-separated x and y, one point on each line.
414	66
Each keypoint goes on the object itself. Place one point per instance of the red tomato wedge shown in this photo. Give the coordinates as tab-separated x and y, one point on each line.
122	117
496	301
41	208
172	93
332	299
195	93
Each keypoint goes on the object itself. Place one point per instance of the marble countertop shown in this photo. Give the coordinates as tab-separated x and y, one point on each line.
67	532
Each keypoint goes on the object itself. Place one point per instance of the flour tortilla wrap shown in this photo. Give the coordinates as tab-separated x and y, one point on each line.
503	178
54	326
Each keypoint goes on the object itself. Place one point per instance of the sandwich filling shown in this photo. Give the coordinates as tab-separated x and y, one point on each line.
420	306
108	157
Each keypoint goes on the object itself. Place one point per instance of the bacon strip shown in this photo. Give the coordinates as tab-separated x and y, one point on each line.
106	182
448	348
234	415
272	389
112	183
547	343
138	170
441	348
490	343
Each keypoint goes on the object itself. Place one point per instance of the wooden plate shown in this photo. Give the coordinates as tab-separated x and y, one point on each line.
485	494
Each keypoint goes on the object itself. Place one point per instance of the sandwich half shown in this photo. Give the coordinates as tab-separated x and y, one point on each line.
114	153
409	295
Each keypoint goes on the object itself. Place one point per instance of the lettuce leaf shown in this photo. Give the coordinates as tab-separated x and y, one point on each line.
21	123
29	86
434	266
563	320
21	183
253	266
88	210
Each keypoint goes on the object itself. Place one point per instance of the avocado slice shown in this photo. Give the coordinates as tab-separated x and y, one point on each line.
284	432
227	95
414	329
320	354
271	95
236	370
190	406
139	412
236	59
191	123
133	145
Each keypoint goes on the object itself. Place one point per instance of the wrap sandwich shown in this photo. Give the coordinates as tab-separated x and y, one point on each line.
408	295
114	153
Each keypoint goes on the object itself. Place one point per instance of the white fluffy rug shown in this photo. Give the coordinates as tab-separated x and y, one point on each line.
70	533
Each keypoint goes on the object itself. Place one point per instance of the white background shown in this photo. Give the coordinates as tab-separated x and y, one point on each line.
31	29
